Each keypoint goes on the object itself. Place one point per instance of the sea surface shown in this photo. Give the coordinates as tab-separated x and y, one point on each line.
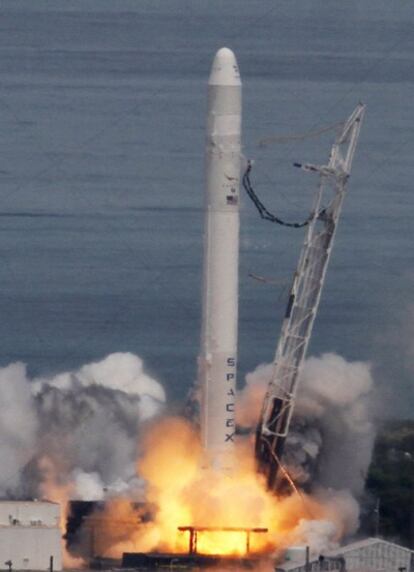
102	114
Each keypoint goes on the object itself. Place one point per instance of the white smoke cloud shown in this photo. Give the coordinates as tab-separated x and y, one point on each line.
18	426
332	435
119	371
123	372
321	535
333	404
341	520
331	380
86	421
250	398
88	486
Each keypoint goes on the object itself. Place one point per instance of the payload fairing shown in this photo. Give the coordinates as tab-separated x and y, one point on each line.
218	355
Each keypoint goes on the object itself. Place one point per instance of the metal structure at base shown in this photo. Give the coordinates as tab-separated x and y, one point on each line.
194	530
304	299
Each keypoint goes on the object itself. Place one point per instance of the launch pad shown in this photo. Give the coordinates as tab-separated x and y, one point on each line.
193	558
153	560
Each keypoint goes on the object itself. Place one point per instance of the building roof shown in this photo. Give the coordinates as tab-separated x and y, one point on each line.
367	543
371	554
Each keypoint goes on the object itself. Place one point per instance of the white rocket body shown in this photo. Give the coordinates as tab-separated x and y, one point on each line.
218	356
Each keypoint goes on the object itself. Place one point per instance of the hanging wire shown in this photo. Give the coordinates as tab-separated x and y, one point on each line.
291	482
266	280
299	136
264	213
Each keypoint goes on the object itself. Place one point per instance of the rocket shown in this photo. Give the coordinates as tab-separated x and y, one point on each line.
217	362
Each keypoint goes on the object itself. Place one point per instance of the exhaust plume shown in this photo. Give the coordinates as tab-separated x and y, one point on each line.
184	493
97	433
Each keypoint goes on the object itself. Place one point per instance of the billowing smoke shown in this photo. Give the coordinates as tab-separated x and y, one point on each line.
328	450
85	422
19	426
334	405
341	519
77	435
331	437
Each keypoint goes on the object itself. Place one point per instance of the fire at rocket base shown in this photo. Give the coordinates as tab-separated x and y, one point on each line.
218	355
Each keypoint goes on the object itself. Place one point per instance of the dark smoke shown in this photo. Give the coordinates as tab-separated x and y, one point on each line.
86	421
329	447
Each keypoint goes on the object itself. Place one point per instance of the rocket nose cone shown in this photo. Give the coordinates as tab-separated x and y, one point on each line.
224	70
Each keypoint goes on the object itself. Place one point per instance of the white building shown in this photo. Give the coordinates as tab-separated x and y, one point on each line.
30	535
370	555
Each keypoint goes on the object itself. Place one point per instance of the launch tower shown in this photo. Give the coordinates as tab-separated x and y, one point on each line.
304	299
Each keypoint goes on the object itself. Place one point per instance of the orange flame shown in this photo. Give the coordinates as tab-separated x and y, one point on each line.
185	494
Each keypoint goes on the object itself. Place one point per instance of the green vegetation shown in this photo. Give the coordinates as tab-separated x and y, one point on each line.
391	480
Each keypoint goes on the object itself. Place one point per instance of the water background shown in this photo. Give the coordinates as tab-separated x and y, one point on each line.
102	111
